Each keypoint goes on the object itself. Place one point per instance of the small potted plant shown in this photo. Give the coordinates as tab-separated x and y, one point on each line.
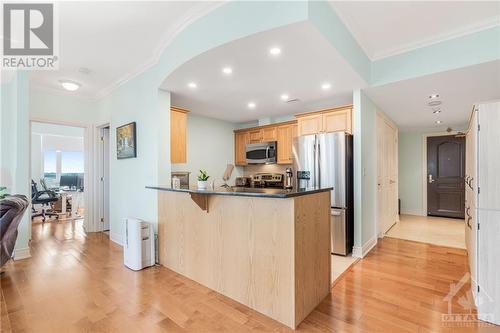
202	180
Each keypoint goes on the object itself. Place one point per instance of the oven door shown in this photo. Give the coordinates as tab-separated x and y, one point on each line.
261	153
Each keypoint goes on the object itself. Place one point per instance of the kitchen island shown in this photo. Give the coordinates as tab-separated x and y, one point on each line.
268	249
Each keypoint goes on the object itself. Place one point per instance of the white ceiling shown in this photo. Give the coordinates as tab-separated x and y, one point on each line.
116	40
406	101
384	28
307	60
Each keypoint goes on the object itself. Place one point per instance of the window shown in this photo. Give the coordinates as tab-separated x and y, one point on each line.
72	162
49	164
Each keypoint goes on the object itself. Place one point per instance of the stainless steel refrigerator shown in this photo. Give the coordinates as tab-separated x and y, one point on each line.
325	160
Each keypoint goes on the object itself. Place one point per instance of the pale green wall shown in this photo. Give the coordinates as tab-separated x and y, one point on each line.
15	146
365	168
410	173
58	107
210	146
479	47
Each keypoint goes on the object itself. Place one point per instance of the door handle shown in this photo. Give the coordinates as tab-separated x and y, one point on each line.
430	179
468	224
467	211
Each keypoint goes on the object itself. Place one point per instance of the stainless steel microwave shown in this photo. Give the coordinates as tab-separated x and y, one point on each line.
261	153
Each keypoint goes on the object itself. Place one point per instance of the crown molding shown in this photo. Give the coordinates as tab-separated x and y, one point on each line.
464	31
198	11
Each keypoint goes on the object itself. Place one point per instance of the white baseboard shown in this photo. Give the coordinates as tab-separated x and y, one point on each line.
116	238
23	253
362	251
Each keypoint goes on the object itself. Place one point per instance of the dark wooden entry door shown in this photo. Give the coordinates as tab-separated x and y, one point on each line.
445	176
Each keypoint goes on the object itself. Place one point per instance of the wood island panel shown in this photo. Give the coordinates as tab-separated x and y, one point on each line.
270	254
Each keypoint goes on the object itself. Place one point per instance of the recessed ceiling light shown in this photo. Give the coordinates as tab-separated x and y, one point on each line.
326	86
192	85
434	96
227	70
436	110
70	85
275	51
438	122
251	105
284	97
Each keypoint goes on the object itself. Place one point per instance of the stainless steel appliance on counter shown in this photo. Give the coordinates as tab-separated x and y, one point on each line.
325	160
268	180
183	177
261	153
243	181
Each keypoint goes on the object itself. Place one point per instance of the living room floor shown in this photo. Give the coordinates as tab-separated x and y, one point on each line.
76	282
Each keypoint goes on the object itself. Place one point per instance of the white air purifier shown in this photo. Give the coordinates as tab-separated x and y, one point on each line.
139	244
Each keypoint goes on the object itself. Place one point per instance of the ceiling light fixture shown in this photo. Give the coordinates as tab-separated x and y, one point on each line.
192	85
434	103
251	105
326	86
227	70
275	51
70	85
434	96
284	97
436	111
438	122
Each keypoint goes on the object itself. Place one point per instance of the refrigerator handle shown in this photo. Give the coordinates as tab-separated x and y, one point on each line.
318	165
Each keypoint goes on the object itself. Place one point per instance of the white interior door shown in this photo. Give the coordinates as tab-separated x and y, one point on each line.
387	174
104	180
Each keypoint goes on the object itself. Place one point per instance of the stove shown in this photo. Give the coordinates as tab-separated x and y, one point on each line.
268	180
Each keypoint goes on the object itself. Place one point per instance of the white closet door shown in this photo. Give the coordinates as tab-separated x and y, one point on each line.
387	174
489	156
488	298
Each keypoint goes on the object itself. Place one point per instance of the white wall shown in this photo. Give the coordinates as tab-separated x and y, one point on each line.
210	146
36	157
15	147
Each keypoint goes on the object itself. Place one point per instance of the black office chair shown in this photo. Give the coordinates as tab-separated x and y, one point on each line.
46	199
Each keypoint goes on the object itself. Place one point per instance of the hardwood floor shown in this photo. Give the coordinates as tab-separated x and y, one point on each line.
77	283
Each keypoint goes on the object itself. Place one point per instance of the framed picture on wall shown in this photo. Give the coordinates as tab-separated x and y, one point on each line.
126	145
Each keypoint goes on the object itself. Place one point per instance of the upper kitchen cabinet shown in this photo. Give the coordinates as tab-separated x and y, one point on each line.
255	135
324	121
178	133
285	135
269	134
282	133
241	138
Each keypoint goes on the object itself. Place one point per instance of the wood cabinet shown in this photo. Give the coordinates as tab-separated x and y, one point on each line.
240	141
255	136
286	134
312	124
282	133
329	120
178	134
269	134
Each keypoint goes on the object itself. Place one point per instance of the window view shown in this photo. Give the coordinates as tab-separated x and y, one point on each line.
71	162
70	173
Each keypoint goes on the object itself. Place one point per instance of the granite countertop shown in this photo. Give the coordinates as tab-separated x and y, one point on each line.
246	191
